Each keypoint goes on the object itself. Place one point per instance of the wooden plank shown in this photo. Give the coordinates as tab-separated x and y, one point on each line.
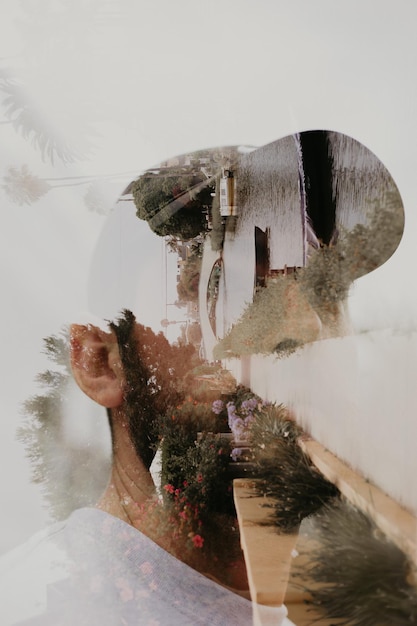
268	555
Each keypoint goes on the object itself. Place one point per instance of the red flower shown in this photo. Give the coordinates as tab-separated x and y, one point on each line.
169	488
198	541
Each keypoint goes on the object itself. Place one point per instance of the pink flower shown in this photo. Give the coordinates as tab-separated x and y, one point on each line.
169	488
146	568
125	591
198	541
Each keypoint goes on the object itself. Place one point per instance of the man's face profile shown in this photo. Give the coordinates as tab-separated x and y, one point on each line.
227	255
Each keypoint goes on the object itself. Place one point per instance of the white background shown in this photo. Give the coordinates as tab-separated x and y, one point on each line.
158	78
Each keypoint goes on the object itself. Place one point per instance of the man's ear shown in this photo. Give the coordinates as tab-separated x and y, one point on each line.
96	364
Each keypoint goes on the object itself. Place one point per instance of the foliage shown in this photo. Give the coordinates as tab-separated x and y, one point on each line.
284	472
358	574
195	519
56	347
238	411
29	121
196	484
22	187
278	321
193	450
369	246
67	474
217	225
96	200
326	279
169	205
236	401
201	473
274	422
332	269
154	370
175	199
179	430
173	522
187	287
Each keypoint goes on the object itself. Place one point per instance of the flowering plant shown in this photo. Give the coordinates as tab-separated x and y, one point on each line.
184	516
195	482
197	509
176	524
241	414
198	471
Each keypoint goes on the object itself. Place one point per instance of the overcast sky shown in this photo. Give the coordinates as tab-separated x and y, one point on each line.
129	83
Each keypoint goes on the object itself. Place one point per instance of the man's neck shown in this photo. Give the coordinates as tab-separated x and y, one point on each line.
131	486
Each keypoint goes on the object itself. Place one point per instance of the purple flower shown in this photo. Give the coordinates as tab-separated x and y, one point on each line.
237	426
235	453
231	414
249	419
217	406
240	422
230	408
249	405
